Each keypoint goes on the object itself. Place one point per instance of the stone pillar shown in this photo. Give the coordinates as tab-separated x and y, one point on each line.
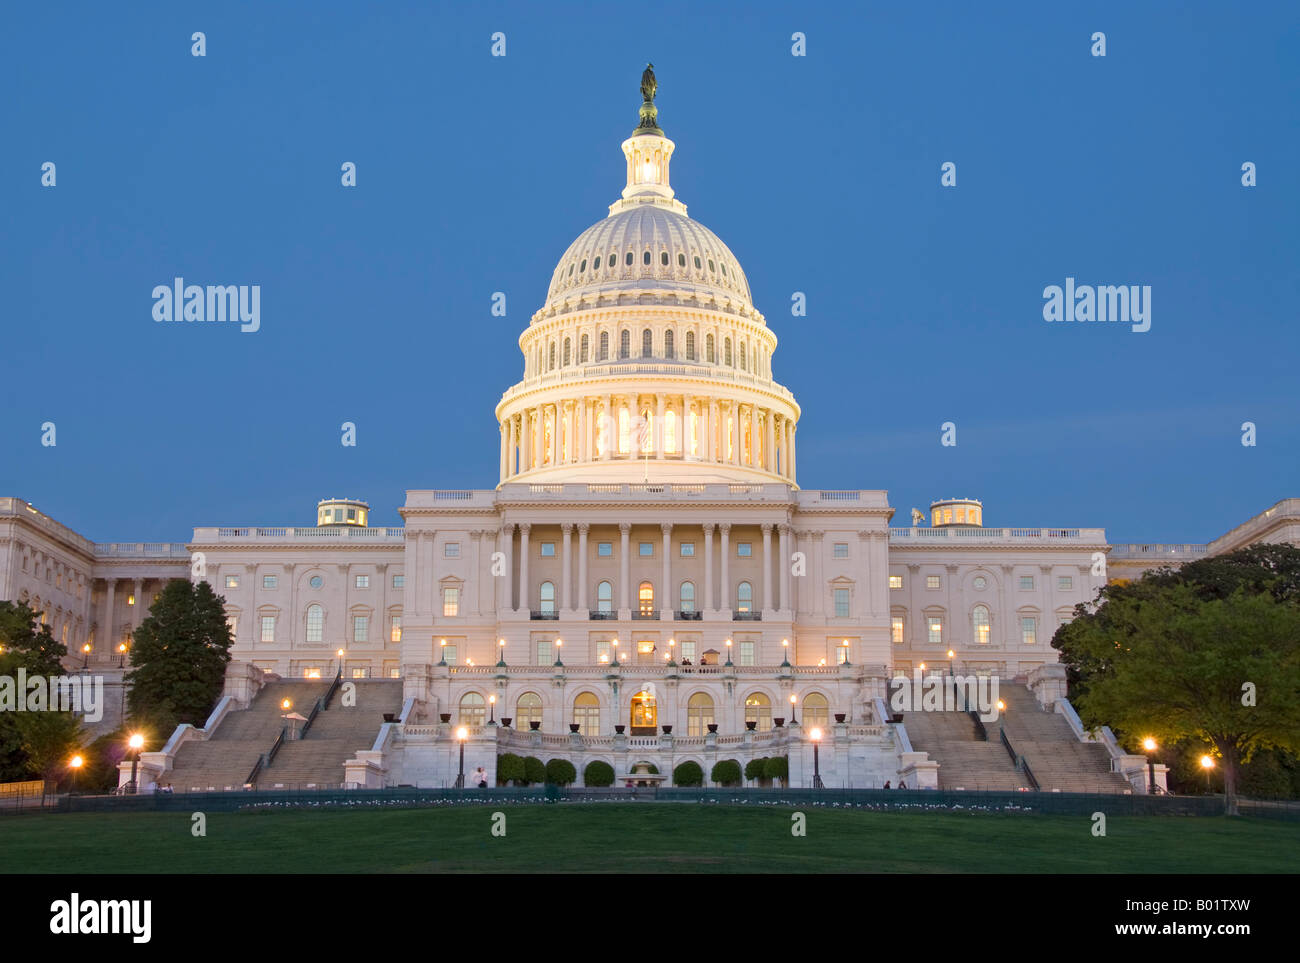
753	444
659	444
624	567
666	605
503	451
794	457
524	594
505	598
784	561
610	425
137	614
538	437
724	584
566	568
582	566
767	567
688	403
107	639
708	568
769	449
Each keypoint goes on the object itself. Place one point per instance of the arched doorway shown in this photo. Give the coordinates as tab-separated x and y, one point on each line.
645	714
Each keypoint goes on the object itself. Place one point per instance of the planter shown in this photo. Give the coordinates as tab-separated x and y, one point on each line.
390	717
620	729
574	726
445	717
506	720
779	721
668	730
751	725
534	726
713	727
839	716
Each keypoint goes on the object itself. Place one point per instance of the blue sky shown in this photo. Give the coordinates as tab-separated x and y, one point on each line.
820	172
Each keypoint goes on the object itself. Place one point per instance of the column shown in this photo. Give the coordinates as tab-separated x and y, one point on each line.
106	639
787	468
566	567
624	566
724	584
769	449
1002	626
733	432
524	594
505	597
794	459
657	444
502	459
753	446
784	560
687	404
706	426
818	588
767	567
667	587
610	425
538	439
708	568
582	566
137	614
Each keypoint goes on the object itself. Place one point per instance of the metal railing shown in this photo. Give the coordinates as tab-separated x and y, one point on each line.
980	732
334	687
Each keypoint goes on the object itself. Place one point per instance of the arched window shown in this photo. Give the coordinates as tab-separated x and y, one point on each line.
726	352
687	597
681	260
546	598
708	348
528	709
647	343
711	267
613	259
645	258
595	265
583	266
697	262
644	713
625	344
551	357
699	714
628	261
814	711
604	346
668	344
670	431
743	357
744	597
583	345
565	362
315	623
645	597
605	597
980	623
758	709
473	710
663	258
690	345
586	713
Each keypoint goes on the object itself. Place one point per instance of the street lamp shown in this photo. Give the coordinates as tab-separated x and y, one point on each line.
1149	746
340	655
559	644
845	647
136	743
75	764
501	647
728	651
785	653
793	720
615	644
461	735
492	708
816	736
286	704
442	643
671	643
121	655
1207	764
85	651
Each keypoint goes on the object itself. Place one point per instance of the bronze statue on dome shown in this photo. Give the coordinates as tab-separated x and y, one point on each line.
649	86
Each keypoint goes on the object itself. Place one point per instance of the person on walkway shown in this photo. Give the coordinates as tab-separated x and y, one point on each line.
480	777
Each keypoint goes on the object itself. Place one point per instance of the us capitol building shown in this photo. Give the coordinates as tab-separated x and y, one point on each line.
647	583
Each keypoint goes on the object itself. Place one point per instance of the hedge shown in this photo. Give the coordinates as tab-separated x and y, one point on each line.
726	772
560	772
534	770
598	773
510	768
688	774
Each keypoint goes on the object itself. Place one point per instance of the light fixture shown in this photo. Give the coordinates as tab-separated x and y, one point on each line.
462	733
1149	744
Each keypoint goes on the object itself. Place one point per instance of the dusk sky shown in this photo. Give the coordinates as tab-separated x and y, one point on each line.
820	172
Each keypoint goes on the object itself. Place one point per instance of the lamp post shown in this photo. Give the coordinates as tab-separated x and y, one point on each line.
1207	764
286	704
85	655
501	647
121	655
671	643
793	700
75	764
136	743
340	655
442	647
844	647
1149	746
1002	707
461	735
728	651
816	736
785	653
492	708
615	644
559	644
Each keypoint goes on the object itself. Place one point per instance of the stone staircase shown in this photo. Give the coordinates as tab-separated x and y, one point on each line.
965	762
336	735
224	760
1058	759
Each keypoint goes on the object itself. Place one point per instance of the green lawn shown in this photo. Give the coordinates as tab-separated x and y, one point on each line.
662	838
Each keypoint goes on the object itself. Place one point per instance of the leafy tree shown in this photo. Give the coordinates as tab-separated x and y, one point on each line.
49	741
598	773
688	774
726	772
510	768
754	768
777	767
534	770
24	644
179	657
560	772
1175	660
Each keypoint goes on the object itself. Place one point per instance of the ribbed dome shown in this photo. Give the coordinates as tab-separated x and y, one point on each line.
682	255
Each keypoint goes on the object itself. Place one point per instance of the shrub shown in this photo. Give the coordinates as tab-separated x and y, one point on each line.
534	770
688	774
726	772
560	772
510	768
777	767
598	773
754	768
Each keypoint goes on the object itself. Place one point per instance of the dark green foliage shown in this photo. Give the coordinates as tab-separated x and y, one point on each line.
754	768
510	768
688	774
534	770
30	646
560	772
726	772
776	767
598	773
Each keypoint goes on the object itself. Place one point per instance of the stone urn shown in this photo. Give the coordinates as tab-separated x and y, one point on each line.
506	720
668	730
620	729
779	721
751	724
444	717
839	716
574	726
534	726
713	727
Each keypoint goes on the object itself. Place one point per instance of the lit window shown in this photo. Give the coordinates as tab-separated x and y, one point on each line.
687	550
746	653
451	550
528	710
815	711
758	709
586	713
603	652
605	549
1027	583
395	630
699	714
363	581
361	672
895	581
933	581
232	581
896	630
646	549
448	653
688	651
315	623
548	550
270	581
360	628
394	672
841	603
744	550
1029	630
744	597
268	628
232	623
1064	582
935	626
399	581
841	549
980	622
646	598
450	602
473	707
543	651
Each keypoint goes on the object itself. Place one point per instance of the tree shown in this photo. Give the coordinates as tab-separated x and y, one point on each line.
1169	659
534	770
598	773
24	644
726	772
179	657
560	772
754	768
777	767
49	741
510	768
688	774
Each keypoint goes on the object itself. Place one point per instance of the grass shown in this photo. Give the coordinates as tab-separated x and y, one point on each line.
641	838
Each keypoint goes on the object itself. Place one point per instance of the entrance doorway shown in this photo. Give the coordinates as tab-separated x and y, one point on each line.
645	714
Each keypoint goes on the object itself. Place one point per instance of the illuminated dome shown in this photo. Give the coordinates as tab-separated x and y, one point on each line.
648	361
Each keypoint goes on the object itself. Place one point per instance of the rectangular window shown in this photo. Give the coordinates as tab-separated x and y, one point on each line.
841	549
646	549
548	550
270	581
603	652
688	652
935	626
232	581
268	628
449	653
363	581
932	581
360	628
450	602
605	549
841	603
896	629
544	653
451	550
399	581
744	550
1027	583
1064	582
895	581
687	550
395	631
361	672
394	672
1029	630
746	653
311	672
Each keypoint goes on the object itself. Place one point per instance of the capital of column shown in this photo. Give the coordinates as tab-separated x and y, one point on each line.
724	527
766	528
624	527
507	529
584	528
666	527
525	527
566	528
708	528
